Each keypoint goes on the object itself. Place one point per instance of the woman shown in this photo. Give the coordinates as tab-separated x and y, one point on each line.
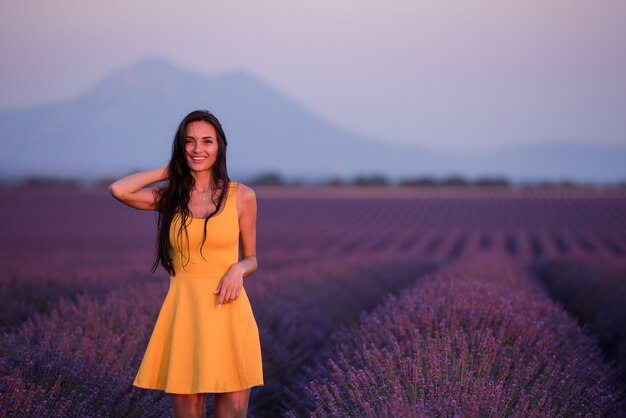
205	339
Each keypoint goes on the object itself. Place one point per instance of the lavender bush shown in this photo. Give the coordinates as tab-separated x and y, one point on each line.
476	339
298	309
81	359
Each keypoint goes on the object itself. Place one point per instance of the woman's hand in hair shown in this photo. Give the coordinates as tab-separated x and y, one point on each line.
131	190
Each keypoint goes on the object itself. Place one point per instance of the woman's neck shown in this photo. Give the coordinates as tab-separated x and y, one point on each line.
203	179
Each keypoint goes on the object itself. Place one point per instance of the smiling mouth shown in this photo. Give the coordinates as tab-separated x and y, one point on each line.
198	159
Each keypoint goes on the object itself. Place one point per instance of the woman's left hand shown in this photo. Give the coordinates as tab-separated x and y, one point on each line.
230	286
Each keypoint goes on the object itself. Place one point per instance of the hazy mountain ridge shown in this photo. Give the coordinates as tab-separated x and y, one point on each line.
127	122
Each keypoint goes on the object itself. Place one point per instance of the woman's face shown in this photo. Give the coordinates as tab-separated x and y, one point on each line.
200	145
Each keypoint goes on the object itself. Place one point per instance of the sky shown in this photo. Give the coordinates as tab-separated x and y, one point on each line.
450	75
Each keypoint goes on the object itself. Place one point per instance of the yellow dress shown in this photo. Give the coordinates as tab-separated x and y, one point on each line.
195	346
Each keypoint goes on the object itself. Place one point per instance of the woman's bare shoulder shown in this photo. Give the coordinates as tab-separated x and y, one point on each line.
246	199
245	192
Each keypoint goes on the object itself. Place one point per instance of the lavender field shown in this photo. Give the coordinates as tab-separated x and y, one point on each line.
369	303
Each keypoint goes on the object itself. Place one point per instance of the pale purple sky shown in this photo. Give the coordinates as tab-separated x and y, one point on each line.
453	75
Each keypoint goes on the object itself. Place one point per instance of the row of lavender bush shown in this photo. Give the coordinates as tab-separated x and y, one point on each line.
32	281
298	308
472	340
593	291
81	358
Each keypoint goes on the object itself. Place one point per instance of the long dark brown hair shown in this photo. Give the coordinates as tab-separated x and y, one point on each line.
174	196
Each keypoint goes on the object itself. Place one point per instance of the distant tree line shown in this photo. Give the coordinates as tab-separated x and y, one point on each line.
273	178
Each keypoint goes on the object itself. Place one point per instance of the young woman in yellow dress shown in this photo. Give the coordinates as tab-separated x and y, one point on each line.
205	339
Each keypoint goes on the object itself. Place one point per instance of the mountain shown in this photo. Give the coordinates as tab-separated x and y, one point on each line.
127	121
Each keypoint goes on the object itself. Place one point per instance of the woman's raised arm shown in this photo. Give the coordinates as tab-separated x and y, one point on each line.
130	189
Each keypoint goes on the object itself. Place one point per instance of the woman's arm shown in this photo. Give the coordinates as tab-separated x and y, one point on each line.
247	228
130	189
230	286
